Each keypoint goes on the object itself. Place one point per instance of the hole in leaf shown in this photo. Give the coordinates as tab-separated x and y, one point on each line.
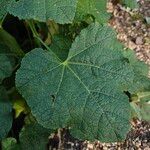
126	60
128	94
53	98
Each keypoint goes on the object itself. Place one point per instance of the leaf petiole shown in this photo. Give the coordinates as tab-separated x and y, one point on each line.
36	36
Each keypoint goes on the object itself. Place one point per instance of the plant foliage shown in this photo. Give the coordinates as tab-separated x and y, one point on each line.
5	113
130	3
95	8
67	69
90	64
42	10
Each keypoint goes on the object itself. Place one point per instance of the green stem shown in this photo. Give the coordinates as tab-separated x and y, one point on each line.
11	42
33	29
48	48
34	32
2	20
36	36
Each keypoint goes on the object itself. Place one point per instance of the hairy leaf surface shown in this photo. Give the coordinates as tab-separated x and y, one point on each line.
130	3
141	110
61	11
34	136
5	113
141	70
10	144
97	8
6	62
83	91
3	7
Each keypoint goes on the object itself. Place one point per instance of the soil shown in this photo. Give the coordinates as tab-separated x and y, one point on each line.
137	139
132	28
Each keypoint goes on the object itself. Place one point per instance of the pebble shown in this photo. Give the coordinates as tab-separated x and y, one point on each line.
132	29
139	40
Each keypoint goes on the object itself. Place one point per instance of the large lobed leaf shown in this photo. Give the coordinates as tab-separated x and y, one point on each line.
82	92
5	113
61	11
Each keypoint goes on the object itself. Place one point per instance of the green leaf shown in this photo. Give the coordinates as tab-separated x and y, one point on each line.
144	96
6	62
60	11
144	104
130	3
29	119
141	83
5	113
60	46
3	7
137	64
97	8
34	137
19	106
84	86
141	110
10	42
136	112
9	144
145	111
147	20
141	70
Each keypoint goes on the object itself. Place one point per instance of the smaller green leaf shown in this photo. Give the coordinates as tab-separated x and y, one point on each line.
141	83
145	111
142	111
6	62
92	7
144	96
5	113
8	40
130	55
130	3
34	137
19	106
141	80
141	107
135	110
9	144
30	119
148	20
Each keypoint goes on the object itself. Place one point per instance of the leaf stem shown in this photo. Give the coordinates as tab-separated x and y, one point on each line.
34	32
2	20
36	36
